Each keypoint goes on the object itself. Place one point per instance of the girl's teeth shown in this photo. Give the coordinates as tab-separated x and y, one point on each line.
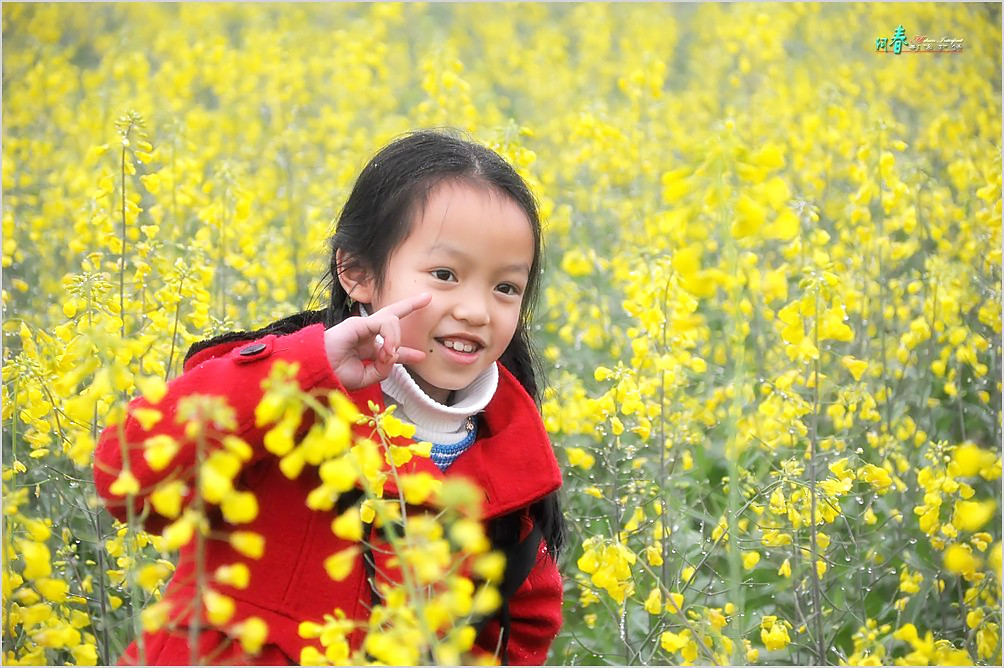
459	347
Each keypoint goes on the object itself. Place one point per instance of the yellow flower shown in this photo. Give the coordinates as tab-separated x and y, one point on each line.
153	389
972	515
216	475
36	559
392	426
653	604
219	608
490	566
959	559
159	450
674	642
348	525
167	498
418	487
580	458
716	619
616	426
749	217
876	476
387	648
238	447
340	474
855	366
470	536
52	589
125	484
239	507
833	326
279	439
687	261
785	227
750	559
971	459
236	575
56	637
147	417
152	575
311	656
340	564
988	644
774	633
674	602
179	532
248	543
486	600
994	559
576	263
609	566
252	633
85	654
398	456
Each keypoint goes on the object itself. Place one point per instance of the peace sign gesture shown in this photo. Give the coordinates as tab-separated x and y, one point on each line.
354	340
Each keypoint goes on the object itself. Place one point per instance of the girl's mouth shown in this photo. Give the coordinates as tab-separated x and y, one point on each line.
461	350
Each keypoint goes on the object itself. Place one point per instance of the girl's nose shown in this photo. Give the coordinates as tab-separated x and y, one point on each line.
472	308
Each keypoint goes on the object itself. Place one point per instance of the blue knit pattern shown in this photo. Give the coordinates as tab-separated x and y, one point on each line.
443	455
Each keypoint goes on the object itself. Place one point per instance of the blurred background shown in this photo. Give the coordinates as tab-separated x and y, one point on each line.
771	322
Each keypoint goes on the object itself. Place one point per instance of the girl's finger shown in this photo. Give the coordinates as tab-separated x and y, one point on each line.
390	331
407	306
410	355
371	375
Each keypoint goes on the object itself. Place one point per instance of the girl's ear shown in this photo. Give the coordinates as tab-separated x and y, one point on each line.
355	279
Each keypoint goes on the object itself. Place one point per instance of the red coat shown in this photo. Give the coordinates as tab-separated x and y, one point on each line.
512	461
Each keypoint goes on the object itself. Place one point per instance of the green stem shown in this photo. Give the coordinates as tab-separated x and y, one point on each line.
415	595
122	261
223	254
131	544
198	506
732	456
294	224
102	586
174	183
817	613
103	654
622	613
174	334
8	601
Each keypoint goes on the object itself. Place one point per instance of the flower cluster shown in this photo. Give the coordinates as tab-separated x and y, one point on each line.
771	318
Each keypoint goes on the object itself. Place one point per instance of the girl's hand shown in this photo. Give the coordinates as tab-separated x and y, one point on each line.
355	339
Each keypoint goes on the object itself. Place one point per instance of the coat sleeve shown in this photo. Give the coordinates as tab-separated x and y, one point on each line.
236	376
535	612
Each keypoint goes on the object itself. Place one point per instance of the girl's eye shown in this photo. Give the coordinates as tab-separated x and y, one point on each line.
443	274
508	289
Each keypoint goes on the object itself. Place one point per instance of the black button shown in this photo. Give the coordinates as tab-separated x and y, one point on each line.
253	349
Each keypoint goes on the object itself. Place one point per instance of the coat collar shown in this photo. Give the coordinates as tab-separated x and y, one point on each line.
512	460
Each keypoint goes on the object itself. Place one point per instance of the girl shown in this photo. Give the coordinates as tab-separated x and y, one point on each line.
434	268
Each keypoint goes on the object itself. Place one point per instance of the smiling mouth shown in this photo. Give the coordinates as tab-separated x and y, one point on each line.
460	345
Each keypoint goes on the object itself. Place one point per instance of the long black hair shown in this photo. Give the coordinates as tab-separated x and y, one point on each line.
388	196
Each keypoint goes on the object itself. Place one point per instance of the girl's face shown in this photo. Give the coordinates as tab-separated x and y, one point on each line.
471	248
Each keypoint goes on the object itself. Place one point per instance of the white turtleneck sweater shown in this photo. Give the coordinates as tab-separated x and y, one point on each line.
435	422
